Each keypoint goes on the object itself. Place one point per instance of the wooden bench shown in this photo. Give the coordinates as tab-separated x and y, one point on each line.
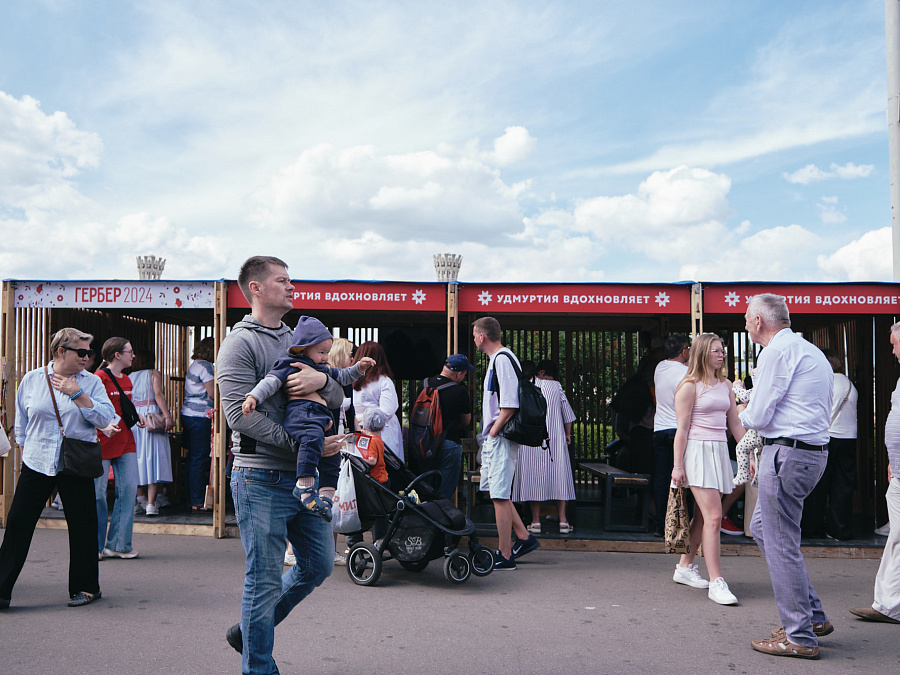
619	478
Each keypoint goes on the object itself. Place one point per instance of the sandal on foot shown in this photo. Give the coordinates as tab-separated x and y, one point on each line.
534	528
81	599
565	528
310	499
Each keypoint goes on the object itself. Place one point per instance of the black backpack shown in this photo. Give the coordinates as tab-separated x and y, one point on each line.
529	425
426	428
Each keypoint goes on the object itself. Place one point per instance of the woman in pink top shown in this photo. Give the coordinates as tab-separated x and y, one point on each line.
704	404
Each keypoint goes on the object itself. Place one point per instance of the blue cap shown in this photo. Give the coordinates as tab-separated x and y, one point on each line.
459	362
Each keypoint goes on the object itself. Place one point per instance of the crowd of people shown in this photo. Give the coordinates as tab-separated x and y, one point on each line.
291	396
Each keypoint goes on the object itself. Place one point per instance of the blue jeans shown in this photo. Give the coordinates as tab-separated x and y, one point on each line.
125	471
267	514
450	465
786	477
196	440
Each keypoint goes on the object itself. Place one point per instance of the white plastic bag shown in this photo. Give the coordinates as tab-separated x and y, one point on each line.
346	515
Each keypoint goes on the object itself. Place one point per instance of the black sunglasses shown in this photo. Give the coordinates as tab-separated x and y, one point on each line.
81	352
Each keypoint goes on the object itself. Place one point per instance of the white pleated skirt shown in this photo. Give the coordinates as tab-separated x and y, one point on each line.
707	465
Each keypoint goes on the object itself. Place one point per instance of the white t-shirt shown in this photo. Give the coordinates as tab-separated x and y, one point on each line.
666	378
844	425
509	388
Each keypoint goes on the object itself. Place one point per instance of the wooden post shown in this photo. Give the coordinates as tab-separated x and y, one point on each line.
696	309
220	457
452	318
9	463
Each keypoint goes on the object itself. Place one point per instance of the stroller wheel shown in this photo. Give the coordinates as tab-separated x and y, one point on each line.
457	568
413	565
482	561
364	564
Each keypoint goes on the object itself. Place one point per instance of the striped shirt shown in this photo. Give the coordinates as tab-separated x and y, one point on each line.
196	401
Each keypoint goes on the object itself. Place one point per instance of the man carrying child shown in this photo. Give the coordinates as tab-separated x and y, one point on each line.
308	418
265	464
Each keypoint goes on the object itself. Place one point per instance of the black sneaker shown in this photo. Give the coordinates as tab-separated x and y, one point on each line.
501	563
522	547
235	639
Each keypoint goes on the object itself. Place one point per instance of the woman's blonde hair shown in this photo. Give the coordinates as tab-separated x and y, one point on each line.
699	367
339	356
65	337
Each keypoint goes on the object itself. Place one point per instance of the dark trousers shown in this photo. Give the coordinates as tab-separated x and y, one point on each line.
829	508
305	422
196	439
77	496
664	459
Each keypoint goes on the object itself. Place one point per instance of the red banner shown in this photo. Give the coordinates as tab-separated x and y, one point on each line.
576	298
356	295
844	298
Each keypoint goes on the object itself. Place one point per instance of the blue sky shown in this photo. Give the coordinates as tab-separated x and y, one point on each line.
544	141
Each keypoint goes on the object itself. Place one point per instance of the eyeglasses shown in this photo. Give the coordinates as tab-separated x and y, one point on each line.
718	351
127	351
81	352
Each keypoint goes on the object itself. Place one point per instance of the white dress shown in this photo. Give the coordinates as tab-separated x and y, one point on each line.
381	394
543	475
154	454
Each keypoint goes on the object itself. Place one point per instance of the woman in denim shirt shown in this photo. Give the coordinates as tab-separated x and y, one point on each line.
83	407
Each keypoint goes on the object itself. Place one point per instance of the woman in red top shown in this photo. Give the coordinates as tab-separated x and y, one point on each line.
118	448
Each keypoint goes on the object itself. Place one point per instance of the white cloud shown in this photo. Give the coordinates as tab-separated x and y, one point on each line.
513	146
868	258
812	174
40	154
829	212
813	82
347	193
767	254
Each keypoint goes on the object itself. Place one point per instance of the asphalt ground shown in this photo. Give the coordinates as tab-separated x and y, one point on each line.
560	612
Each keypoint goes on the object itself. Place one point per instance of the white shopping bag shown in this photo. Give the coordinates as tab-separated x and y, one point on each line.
345	519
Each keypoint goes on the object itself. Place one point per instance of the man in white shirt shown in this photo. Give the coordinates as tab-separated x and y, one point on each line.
886	607
665	380
791	410
500	401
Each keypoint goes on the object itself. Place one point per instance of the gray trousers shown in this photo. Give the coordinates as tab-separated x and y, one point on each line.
786	477
887	581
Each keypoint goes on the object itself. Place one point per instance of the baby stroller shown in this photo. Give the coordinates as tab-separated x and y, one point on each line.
421	528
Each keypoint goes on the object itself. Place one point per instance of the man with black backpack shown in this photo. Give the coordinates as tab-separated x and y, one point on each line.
500	404
442	451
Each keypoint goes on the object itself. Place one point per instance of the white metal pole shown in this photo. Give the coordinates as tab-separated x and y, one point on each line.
892	33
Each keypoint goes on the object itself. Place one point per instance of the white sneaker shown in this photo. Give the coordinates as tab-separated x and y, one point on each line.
339	559
152	510
138	510
162	500
882	531
718	592
126	555
57	503
289	559
689	576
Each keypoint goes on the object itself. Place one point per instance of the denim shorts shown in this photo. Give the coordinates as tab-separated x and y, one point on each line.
498	465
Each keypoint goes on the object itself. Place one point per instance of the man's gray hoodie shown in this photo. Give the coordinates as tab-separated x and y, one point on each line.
247	354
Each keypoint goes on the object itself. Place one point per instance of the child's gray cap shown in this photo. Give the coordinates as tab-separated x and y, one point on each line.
374	419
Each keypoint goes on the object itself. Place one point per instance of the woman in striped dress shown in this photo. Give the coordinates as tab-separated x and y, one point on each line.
542	475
